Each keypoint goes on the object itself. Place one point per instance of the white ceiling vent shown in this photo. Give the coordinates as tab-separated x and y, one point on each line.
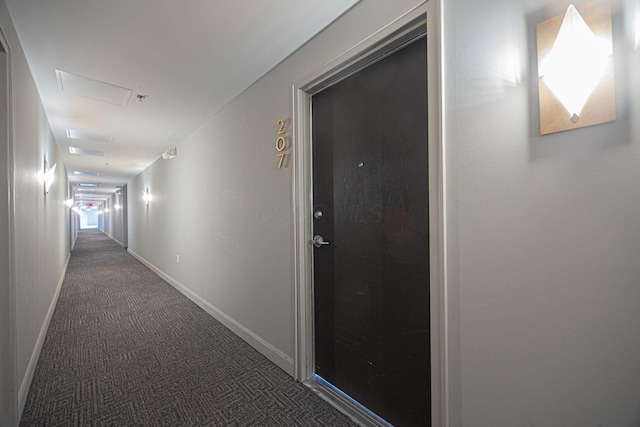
87	136
74	84
76	150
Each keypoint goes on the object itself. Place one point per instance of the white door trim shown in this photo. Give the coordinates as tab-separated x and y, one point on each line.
14	409
354	58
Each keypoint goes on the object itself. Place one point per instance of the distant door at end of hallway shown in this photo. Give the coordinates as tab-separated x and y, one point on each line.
89	219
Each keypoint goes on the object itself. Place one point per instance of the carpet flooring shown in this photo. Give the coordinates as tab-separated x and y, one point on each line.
124	348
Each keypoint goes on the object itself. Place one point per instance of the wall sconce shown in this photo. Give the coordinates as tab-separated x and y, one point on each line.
117	207
68	203
146	196
107	210
48	176
575	69
171	153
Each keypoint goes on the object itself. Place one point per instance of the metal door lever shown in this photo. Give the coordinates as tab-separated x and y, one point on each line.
318	241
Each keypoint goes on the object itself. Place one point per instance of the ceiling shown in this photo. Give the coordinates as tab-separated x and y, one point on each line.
122	81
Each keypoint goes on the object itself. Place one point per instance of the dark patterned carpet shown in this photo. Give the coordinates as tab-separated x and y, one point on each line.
125	348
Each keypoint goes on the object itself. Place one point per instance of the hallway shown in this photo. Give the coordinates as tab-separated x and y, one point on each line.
127	111
125	348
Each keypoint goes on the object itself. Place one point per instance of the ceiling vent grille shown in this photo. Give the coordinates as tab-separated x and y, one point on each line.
85	87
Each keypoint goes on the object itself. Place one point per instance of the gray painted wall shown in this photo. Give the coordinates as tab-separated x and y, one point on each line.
114	221
41	224
544	236
542	232
6	319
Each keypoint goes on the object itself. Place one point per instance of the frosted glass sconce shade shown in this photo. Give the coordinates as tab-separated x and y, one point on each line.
49	176
146	196
575	70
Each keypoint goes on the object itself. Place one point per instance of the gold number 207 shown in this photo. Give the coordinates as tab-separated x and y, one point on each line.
281	142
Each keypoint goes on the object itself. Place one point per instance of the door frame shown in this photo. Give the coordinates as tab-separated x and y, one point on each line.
427	15
9	366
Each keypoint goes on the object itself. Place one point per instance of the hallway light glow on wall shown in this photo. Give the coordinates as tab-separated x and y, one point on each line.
68	203
48	176
636	28
146	196
575	69
117	207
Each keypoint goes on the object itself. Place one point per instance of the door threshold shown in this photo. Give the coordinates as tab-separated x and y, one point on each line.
345	403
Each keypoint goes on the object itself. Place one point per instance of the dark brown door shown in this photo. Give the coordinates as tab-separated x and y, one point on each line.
371	203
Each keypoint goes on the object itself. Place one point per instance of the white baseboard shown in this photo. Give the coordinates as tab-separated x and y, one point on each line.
114	239
35	355
284	361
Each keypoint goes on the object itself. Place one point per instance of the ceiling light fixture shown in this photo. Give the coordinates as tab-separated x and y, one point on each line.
171	153
84	151
575	70
86	136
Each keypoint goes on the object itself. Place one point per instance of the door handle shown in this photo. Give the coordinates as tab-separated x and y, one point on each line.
318	241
